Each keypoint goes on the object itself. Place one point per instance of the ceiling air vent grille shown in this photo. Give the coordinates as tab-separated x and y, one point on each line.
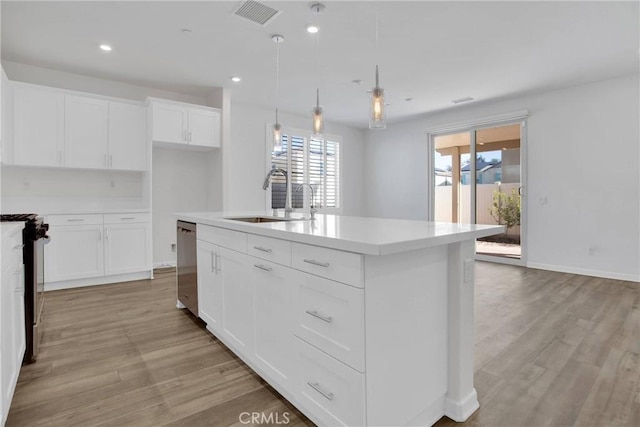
257	12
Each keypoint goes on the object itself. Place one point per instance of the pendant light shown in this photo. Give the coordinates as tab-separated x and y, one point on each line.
277	127
318	111
377	114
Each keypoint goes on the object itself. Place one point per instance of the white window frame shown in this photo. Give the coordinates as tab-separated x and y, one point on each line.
306	193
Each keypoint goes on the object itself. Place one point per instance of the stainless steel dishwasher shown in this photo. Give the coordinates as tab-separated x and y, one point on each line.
187	270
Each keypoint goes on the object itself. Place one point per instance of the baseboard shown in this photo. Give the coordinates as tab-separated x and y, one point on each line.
164	264
461	410
585	272
95	281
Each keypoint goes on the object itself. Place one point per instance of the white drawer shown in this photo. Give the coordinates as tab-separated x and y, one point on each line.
275	250
126	218
330	316
333	392
75	219
234	240
345	267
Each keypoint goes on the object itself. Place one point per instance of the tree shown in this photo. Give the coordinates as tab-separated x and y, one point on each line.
505	208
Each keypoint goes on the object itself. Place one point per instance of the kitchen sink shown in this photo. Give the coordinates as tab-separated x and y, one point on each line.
258	219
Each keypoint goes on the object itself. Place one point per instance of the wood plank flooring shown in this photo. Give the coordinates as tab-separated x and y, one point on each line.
552	349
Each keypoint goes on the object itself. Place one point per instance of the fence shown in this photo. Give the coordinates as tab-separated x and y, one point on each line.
484	200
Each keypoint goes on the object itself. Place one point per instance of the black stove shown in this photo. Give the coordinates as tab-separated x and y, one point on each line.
34	237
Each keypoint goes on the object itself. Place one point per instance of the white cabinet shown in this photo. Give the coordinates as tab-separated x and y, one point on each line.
52	127
38	126
74	252
237	310
86	132
127	248
12	330
204	127
127	136
273	303
192	125
169	123
89	246
209	286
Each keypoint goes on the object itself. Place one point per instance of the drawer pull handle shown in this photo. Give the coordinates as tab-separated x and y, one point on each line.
316	387
314	262
260	248
18	247
128	218
262	267
75	220
315	314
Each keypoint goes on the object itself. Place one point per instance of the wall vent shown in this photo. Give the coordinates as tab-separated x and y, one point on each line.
257	12
461	100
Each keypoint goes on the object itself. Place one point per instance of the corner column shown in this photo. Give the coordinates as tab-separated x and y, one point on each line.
461	399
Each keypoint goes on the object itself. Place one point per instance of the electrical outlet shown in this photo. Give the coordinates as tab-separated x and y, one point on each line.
173	247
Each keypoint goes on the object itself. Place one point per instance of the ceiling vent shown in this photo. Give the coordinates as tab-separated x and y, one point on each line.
257	12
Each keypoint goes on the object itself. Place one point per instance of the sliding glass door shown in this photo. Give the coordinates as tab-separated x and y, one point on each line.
477	180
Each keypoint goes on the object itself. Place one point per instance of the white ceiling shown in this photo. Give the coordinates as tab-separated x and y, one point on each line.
432	52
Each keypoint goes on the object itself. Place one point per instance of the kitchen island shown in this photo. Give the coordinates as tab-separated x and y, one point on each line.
356	321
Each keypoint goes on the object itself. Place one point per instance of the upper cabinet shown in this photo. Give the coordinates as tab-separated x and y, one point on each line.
55	128
127	136
189	125
38	127
86	132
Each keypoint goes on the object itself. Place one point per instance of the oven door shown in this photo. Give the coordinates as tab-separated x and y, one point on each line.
38	294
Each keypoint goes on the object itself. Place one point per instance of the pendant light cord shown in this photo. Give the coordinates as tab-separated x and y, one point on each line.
277	77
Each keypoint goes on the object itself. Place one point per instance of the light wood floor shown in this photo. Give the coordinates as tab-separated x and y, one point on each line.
552	349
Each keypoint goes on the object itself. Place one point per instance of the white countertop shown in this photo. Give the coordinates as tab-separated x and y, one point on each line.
372	236
7	228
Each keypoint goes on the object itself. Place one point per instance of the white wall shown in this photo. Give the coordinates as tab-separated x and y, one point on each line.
583	192
247	158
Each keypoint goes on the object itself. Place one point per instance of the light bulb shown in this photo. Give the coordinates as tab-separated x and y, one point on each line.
377	117
277	137
318	121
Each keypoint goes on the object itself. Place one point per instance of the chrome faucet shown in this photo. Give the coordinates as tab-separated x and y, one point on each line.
267	180
312	209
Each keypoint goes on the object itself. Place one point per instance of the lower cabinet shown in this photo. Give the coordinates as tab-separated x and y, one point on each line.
237	309
74	252
273	299
95	245
302	333
126	248
209	286
12	331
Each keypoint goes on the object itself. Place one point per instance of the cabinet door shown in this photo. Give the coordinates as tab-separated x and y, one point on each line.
273	307
204	128
12	333
74	252
86	130
127	248
237	309
209	286
38	127
169	123
127	136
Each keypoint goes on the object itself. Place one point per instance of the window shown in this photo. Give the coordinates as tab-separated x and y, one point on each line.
310	160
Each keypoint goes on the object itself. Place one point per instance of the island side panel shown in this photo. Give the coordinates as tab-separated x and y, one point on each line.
406	336
461	400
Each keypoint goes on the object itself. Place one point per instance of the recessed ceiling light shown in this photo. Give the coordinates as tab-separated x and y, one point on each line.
186	31
408	99
236	79
312	29
105	47
356	82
